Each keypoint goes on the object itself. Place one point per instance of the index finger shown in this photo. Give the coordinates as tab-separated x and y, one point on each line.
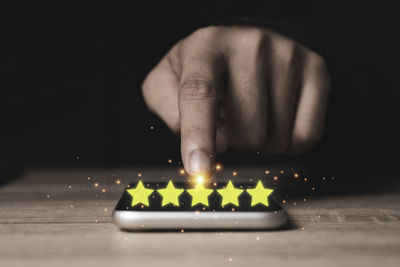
200	81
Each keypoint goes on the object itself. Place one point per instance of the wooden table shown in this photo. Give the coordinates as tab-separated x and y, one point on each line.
60	218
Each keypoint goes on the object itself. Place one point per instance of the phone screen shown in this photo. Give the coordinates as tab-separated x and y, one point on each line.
242	201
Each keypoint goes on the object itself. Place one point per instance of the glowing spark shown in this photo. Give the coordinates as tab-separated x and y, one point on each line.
105	209
218	167
182	230
282	171
152	127
275	178
89	178
306	179
266	171
284	201
48	196
118	181
199	179
182	171
103	190
139	174
296	175
70	186
169	160
234	173
96	184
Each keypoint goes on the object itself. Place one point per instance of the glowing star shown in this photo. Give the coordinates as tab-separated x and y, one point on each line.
140	194
170	194
230	194
199	195
259	194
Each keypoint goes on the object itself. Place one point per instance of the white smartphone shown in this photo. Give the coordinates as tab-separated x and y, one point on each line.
155	216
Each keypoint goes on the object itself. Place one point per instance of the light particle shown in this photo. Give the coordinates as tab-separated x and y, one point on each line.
218	167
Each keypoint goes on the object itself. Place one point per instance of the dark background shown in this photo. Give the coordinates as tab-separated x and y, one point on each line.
71	74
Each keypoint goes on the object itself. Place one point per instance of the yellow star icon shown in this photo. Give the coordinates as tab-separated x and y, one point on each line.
170	194
199	195
230	194
259	194
140	194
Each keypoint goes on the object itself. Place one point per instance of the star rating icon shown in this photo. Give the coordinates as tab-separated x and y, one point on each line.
140	194
200	195
259	194
170	194
230	194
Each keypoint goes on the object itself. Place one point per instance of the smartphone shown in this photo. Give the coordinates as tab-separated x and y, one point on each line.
211	214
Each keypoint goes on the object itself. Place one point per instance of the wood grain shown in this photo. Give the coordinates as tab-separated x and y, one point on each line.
59	218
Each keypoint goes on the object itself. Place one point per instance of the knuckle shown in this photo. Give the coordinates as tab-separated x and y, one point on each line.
197	88
206	32
255	35
287	51
253	40
319	66
318	63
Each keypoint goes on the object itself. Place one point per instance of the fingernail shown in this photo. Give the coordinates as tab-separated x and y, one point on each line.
199	162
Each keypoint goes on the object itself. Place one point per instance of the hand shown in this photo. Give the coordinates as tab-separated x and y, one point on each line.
243	87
